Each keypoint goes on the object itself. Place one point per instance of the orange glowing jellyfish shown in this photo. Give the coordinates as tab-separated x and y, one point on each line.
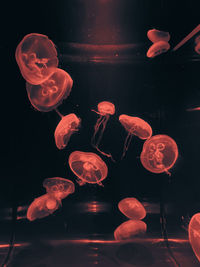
130	229
42	207
156	36
36	57
194	234
65	128
105	109
134	126
197	48
59	187
50	94
158	48
159	154
88	167
132	208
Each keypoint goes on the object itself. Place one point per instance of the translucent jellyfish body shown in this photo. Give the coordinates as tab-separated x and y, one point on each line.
105	109
158	48
194	234
59	187
42	207
65	128
36	57
134	126
50	94
132	208
159	154
88	167
197	48
156	36
130	229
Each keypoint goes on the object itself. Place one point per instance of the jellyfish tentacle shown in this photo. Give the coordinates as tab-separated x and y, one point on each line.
96	129
127	144
104	122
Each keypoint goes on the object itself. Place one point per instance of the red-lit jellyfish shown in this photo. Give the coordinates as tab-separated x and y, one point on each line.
157	49
134	126
36	57
130	229
132	208
105	109
59	187
42	207
159	154
65	128
156	36
197	46
88	167
50	94
194	234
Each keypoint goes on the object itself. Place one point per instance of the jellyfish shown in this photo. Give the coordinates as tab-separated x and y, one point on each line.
68	125
158	48
156	36
105	109
194	234
59	187
159	154
134	126
132	208
42	207
197	48
130	229
88	167
50	94
36	57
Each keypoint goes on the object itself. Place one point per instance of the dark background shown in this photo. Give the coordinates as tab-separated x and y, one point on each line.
157	90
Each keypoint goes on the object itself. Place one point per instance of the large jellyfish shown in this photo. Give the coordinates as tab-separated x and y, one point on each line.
42	207
36	57
50	94
157	49
132	208
134	126
105	109
65	128
159	154
156	36
59	187
88	167
194	234
130	229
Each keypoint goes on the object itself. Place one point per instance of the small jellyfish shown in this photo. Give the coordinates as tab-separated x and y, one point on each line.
59	187
134	126
130	229
36	57
50	94
197	48
88	167
42	207
194	234
132	208
158	48
159	154
105	109
156	36
65	128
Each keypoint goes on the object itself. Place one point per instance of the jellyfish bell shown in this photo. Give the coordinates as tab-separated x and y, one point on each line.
156	36
105	109
129	229
159	154
59	187
194	234
134	126
197	48
157	49
132	208
88	167
50	94
36	57
42	207
65	128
